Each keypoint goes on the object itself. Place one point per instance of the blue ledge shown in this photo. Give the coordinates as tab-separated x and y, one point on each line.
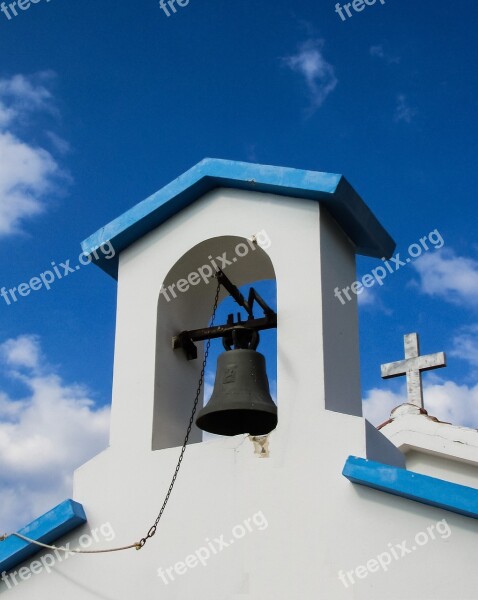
331	190
456	498
46	529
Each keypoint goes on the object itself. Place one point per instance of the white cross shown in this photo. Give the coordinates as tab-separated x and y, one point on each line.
412	367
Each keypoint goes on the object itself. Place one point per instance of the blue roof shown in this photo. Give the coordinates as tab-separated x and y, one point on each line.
46	529
440	493
331	190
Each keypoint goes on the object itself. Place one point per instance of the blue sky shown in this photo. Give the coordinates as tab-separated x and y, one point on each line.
103	103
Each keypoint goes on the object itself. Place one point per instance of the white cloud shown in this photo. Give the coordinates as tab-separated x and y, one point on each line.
319	75
24	94
27	172
367	298
453	278
456	404
23	351
403	110
208	385
61	145
371	299
25	176
445	400
44	436
379	52
465	345
6	115
378	404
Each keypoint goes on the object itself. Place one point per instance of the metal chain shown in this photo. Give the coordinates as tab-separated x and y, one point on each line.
154	527
152	530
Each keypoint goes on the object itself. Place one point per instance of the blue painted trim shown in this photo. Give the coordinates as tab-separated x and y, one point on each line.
456	498
57	522
331	190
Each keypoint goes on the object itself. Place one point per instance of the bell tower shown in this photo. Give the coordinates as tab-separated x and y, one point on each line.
275	502
166	248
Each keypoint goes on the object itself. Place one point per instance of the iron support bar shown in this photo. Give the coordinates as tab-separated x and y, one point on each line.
186	339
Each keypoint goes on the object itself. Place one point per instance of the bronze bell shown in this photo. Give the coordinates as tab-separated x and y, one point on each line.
241	401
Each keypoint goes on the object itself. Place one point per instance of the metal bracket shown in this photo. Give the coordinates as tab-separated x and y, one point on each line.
186	339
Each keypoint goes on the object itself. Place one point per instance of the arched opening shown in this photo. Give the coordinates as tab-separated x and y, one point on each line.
186	303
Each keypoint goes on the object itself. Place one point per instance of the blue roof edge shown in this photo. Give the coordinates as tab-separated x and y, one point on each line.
332	190
460	499
46	529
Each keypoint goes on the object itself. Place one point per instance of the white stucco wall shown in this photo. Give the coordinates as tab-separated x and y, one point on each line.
432	447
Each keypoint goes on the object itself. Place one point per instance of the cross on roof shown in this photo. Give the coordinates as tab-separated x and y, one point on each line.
412	367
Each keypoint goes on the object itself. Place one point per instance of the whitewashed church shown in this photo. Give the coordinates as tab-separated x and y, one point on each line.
303	500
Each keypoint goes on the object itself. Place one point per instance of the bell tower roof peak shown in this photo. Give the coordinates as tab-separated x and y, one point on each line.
329	189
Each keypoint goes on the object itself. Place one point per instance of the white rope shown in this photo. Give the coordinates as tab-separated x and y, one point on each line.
152	531
137	545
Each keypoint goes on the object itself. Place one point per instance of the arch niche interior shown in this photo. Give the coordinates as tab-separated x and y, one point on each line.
176	378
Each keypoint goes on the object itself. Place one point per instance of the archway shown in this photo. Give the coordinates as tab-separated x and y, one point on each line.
185	302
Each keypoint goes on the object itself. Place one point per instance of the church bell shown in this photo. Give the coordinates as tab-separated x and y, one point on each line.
241	401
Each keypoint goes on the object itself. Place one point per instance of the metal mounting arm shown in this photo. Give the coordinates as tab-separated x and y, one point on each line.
186	339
